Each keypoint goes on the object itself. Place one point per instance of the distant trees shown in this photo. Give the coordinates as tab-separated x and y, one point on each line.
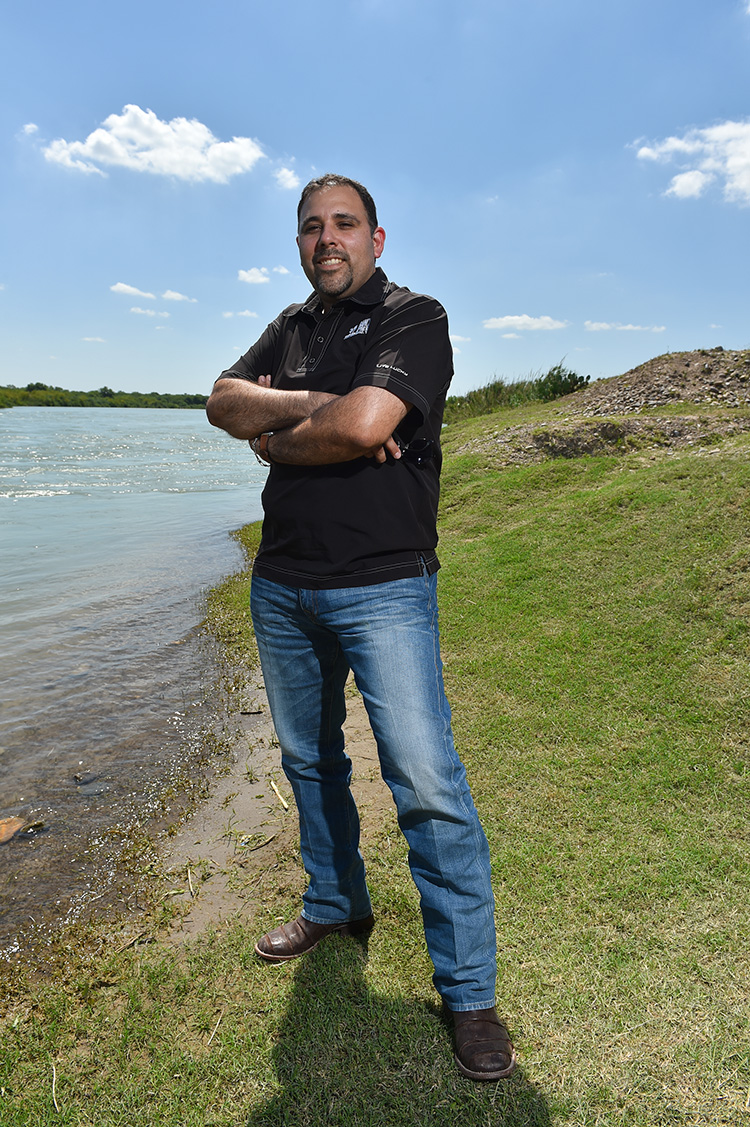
43	395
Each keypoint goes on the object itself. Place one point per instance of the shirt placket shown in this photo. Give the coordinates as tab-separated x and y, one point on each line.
319	341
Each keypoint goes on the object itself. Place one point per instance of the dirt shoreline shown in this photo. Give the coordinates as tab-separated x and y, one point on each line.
216	859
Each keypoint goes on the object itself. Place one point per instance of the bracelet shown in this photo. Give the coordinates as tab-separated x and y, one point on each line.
259	447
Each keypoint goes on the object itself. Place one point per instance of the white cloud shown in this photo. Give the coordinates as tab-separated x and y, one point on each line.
459	339
30	128
242	313
254	275
137	139
511	336
95	340
280	270
607	326
123	287
524	322
285	178
719	152
147	312
689	185
172	295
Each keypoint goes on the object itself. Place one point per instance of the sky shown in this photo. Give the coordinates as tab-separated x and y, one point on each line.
570	179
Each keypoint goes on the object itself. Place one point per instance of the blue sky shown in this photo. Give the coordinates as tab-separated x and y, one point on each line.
571	180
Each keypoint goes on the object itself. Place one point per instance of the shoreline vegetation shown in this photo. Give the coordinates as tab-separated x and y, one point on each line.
595	616
558	381
42	395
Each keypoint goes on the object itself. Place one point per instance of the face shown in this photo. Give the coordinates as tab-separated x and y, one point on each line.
336	248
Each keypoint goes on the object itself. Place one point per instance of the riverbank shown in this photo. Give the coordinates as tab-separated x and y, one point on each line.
594	614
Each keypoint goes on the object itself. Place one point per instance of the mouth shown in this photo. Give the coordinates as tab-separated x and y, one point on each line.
330	261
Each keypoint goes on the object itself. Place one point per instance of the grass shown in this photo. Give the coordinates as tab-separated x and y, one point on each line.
595	619
499	395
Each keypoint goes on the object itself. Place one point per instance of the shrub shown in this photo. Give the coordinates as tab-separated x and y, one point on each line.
559	381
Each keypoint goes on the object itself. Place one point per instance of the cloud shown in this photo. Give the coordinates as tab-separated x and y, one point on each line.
147	312
511	336
280	270
123	287
607	326
137	139
95	340
718	153
524	322
689	185
30	128
285	178
242	313
459	339
254	275
172	295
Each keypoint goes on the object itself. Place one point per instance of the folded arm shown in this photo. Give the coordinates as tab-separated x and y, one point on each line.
245	409
358	424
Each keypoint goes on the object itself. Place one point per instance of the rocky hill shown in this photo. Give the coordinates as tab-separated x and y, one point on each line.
705	376
622	414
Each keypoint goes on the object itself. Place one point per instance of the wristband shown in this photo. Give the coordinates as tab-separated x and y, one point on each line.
259	447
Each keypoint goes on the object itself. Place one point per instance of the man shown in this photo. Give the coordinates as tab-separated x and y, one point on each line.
343	396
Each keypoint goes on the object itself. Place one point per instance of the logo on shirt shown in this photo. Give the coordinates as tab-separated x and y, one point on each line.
359	330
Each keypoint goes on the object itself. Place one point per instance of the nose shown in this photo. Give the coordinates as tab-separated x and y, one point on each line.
327	235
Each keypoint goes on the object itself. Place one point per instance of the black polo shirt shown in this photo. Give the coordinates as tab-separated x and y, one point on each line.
359	522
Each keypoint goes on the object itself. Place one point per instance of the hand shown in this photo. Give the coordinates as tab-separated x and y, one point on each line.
390	446
264	381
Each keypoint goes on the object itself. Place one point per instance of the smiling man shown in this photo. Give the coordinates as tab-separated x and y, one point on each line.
343	397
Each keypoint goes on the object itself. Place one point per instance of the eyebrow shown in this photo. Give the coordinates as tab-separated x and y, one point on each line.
336	215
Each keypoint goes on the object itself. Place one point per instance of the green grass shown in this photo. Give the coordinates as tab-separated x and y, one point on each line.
595	621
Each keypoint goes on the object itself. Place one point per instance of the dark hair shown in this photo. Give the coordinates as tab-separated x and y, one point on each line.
332	180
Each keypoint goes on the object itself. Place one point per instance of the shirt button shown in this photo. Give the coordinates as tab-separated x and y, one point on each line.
320	340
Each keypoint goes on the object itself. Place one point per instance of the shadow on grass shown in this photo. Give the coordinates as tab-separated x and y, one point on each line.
349	1057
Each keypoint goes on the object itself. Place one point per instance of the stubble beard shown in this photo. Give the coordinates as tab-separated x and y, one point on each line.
333	286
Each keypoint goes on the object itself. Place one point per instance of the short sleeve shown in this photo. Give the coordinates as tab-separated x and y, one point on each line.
410	353
258	360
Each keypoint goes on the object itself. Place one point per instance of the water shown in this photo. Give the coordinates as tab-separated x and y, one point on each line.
114	522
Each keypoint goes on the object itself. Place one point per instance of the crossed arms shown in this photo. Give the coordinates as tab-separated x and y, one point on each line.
310	428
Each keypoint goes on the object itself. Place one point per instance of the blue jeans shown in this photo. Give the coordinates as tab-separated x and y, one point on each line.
388	635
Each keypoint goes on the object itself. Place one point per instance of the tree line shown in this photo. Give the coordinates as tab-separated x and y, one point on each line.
42	395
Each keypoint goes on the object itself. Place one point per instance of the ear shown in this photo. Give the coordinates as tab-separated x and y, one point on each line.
378	241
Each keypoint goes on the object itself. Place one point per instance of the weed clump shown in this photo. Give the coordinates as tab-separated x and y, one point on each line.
499	395
559	381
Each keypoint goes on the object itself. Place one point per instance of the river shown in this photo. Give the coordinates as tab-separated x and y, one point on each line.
114	524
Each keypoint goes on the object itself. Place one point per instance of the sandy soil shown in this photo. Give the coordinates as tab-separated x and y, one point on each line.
216	856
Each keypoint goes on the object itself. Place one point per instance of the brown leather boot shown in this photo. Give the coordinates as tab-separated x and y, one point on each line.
484	1050
300	936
